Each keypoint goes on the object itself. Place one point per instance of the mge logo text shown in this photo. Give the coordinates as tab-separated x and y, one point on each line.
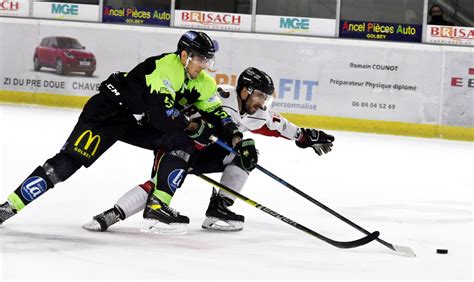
294	23
65	9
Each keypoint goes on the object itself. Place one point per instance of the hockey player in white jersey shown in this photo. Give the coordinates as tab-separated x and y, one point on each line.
249	105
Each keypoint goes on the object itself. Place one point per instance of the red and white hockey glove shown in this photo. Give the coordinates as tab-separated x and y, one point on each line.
316	139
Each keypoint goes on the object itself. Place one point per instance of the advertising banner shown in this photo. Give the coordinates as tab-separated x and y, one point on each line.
295	25
454	35
329	78
64	59
212	20
380	31
66	11
135	15
15	8
458	92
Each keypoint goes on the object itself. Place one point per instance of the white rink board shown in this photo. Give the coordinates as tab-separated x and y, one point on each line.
458	91
396	82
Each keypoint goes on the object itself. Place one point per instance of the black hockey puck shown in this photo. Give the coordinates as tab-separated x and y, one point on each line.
441	251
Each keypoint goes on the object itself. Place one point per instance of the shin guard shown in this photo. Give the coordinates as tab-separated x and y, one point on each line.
34	186
171	172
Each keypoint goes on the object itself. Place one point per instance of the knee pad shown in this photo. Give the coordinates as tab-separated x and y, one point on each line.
159	153
60	167
180	154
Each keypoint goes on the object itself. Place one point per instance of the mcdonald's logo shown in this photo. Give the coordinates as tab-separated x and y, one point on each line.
90	139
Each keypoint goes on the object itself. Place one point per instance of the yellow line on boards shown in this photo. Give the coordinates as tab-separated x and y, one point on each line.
322	122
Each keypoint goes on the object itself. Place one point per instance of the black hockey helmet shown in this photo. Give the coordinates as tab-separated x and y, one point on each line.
255	79
197	42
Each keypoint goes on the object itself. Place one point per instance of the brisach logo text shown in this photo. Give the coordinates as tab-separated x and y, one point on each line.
452	32
294	23
65	9
9	6
211	18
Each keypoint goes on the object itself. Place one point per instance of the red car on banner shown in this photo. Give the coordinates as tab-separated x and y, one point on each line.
64	54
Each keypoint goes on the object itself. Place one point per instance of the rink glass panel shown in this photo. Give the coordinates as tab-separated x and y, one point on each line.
389	11
227	6
459	12
149	4
324	9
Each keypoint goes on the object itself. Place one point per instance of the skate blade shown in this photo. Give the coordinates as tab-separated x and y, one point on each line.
92	225
216	224
157	227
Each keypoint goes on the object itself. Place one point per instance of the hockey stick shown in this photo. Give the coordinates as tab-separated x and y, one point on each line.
339	244
399	249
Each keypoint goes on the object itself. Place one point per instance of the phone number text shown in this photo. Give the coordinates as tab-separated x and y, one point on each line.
373	105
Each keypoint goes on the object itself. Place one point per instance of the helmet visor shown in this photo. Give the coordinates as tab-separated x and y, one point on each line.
261	98
202	61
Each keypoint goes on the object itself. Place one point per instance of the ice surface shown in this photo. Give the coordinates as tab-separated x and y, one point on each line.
416	192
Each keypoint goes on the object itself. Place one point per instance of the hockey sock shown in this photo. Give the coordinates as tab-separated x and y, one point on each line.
133	201
33	187
235	178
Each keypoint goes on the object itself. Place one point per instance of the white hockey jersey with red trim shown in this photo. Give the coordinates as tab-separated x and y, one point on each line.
265	122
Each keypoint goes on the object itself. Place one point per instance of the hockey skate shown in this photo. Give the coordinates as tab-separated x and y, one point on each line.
6	211
103	221
219	217
162	219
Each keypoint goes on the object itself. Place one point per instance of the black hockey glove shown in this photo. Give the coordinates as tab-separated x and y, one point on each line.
112	87
203	133
229	131
247	154
316	139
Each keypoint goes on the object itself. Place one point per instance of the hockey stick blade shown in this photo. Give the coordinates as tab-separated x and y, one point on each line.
404	251
339	244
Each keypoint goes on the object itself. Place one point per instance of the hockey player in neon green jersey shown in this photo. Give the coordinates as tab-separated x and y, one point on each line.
142	107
